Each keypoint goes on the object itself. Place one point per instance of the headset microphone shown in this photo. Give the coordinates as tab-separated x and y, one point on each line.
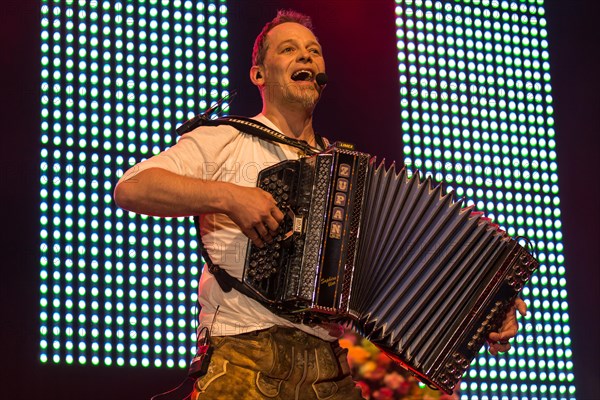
321	79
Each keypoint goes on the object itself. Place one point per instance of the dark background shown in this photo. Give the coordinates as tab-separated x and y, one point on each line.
361	103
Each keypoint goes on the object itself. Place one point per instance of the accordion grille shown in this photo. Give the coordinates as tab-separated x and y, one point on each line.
315	227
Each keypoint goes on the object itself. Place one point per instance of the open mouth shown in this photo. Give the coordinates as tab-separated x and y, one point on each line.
302	75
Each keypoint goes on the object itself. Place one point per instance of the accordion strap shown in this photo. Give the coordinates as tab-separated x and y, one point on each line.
262	131
225	281
228	282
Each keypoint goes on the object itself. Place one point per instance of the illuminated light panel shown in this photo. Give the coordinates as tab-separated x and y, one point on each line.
118	288
476	108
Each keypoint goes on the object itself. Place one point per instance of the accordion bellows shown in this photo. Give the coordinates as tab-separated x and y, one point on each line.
412	270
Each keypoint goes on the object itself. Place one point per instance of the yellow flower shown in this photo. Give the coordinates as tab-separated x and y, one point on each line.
367	368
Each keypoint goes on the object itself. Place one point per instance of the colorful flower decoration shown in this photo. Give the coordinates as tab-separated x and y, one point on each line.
379	378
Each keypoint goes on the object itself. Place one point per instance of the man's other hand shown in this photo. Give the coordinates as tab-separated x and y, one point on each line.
499	341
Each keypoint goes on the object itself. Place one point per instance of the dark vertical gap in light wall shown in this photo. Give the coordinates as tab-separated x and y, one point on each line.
19	182
574	64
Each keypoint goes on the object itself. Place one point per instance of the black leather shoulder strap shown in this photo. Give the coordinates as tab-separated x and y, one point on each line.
225	281
258	129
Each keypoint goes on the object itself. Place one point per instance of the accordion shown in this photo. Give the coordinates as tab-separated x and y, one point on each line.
409	268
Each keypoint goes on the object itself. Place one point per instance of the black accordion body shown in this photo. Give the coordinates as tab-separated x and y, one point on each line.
419	275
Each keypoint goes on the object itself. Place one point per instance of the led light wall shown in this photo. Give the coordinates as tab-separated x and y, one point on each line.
118	288
476	108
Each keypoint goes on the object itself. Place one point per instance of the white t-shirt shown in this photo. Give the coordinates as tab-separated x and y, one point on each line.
222	153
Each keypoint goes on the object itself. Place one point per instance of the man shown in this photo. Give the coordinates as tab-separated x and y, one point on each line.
212	172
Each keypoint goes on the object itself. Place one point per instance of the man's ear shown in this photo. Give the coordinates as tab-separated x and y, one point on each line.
256	75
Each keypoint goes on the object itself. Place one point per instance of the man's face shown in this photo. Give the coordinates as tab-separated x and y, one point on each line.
292	61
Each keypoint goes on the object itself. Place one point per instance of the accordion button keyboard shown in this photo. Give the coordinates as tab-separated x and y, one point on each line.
263	262
444	379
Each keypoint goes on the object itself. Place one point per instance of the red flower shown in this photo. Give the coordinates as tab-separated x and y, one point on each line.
384	360
384	394
393	380
404	388
364	389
